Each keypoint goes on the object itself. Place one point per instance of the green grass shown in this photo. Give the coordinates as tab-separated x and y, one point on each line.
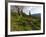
22	22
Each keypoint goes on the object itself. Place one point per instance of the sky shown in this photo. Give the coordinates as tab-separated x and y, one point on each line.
26	9
33	10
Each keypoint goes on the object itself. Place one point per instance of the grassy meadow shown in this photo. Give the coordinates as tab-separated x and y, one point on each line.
22	22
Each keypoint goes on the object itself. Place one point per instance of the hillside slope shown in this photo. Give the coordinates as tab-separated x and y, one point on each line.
23	22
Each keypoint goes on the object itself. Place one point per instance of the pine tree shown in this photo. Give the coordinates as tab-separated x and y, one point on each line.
29	13
18	11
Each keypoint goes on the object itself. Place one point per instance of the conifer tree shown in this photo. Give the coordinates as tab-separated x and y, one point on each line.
18	11
29	13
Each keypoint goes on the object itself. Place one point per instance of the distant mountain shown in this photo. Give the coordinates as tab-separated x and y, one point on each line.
36	14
